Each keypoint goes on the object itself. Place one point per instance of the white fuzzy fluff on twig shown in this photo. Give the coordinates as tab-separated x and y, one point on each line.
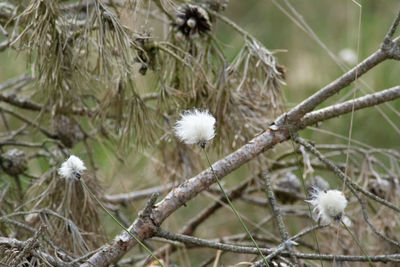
349	56
329	205
72	168
195	127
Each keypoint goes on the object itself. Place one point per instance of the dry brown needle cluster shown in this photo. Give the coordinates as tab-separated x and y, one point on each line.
108	77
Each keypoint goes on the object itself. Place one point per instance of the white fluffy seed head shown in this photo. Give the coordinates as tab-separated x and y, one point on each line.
349	56
195	127
329	205
72	168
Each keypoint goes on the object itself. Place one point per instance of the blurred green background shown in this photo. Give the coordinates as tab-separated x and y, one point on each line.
309	68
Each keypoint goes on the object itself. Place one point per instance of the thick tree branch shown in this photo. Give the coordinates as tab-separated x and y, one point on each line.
203	215
334	87
183	193
190	188
277	133
389	49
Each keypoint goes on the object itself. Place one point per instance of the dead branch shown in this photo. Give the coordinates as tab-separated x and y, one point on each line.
280	131
346	107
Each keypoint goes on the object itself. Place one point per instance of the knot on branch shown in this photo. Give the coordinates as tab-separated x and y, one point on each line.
145	219
287	244
146	228
143	227
146	212
389	46
289	122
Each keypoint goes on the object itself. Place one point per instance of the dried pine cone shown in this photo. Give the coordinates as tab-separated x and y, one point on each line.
68	130
192	21
14	162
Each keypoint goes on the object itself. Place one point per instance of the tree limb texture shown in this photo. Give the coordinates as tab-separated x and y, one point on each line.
346	107
145	227
198	242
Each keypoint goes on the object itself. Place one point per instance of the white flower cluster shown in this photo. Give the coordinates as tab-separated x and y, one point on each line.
195	127
329	205
72	168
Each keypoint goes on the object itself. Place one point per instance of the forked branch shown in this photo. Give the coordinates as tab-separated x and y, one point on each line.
277	133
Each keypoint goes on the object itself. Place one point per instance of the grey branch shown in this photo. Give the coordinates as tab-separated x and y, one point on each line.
334	87
203	215
198	242
29	121
359	103
278	216
353	188
21	245
125	198
343	177
30	244
389	49
265	141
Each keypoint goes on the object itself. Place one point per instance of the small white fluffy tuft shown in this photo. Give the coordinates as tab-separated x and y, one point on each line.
349	56
195	127
72	168
329	205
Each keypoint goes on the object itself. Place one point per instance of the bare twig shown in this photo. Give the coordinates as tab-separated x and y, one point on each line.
192	224
386	51
29	246
342	176
353	187
15	243
346	107
29	121
194	241
23	79
125	198
277	133
278	216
